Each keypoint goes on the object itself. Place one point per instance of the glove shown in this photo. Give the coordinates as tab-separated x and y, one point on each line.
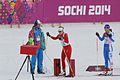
110	30
48	34
97	34
31	41
61	38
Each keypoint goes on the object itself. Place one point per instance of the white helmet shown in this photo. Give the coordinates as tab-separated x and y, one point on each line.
60	29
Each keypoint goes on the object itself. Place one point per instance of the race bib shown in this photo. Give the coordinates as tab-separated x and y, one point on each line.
38	38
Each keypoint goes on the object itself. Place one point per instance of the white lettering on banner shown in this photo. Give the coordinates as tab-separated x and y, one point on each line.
67	10
107	8
81	10
99	9
102	13
91	10
61	10
71	10
84	10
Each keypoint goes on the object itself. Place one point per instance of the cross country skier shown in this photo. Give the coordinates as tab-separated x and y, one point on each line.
66	50
108	49
39	39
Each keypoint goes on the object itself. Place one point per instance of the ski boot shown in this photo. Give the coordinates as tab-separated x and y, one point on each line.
105	73
62	73
40	72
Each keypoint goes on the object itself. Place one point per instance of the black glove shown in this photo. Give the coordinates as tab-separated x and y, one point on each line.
61	38
48	34
97	34
110	30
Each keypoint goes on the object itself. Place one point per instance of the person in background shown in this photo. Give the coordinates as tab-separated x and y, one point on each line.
108	49
39	39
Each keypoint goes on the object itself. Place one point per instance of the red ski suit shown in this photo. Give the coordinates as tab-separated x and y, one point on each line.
67	49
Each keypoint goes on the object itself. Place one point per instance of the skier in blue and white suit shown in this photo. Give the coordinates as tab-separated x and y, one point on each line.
108	49
39	39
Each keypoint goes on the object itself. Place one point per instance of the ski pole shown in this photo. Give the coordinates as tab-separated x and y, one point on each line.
46	50
46	53
69	63
97	68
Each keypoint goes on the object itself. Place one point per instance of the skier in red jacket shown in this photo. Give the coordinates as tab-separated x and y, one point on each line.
66	50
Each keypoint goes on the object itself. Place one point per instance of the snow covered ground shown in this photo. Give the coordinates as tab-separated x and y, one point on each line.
83	40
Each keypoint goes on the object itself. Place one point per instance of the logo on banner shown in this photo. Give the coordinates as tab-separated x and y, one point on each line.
84	10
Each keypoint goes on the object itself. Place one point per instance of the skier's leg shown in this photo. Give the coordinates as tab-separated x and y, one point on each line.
110	63
63	62
110	57
110	60
40	61
63	59
110	72
33	62
68	53
106	58
106	52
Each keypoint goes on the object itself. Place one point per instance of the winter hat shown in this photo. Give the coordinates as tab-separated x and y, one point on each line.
107	26
37	22
60	28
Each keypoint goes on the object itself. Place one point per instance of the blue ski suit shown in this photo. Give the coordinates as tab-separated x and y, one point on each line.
108	49
38	39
